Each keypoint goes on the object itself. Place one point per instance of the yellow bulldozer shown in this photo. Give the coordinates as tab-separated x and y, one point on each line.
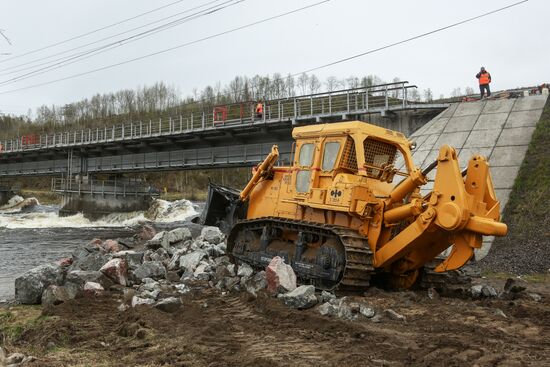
350	209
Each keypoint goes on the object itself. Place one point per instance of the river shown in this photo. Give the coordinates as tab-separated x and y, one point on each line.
37	235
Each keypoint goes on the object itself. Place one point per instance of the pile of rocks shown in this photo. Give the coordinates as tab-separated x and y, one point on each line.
155	272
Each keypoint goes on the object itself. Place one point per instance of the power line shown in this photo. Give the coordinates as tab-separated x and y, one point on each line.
91	32
94	42
171	48
5	37
265	20
411	38
118	43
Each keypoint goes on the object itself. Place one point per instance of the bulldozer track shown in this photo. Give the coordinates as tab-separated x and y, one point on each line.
358	267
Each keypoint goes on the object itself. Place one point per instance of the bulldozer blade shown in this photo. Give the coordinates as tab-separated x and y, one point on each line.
223	207
460	254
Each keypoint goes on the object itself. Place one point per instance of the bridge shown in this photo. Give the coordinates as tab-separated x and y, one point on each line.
228	136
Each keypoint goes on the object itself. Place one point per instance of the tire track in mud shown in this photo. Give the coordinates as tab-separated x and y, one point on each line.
265	342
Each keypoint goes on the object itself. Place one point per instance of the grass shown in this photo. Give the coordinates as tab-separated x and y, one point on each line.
15	320
530	196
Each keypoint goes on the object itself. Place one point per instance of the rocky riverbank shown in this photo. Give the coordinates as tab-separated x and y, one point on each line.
174	298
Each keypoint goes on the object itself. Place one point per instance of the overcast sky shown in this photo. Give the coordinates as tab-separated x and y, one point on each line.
512	45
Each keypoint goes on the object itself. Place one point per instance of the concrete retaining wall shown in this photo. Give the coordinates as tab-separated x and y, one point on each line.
96	206
498	129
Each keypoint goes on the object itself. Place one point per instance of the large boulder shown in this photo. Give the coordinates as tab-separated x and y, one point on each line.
116	270
255	283
189	262
170	304
280	276
93	261
212	235
175	236
150	269
30	286
133	258
55	295
93	289
301	297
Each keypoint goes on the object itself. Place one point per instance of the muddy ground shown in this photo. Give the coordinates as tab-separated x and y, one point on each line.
235	330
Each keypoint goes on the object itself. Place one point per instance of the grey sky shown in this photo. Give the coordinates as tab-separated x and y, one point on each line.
512	45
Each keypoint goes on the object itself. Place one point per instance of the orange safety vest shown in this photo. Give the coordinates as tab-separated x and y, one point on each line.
484	78
259	108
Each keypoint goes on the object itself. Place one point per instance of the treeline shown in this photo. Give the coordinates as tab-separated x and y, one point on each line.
160	99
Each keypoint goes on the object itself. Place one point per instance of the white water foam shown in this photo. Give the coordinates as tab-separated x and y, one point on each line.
161	211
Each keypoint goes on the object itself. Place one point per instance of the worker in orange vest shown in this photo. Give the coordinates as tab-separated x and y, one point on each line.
259	110
484	80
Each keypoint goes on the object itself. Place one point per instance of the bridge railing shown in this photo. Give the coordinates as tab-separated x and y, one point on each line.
341	102
103	187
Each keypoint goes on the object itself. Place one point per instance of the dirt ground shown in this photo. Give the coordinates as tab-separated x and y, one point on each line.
235	330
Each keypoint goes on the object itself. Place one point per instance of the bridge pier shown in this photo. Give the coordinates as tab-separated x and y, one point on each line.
6	193
98	198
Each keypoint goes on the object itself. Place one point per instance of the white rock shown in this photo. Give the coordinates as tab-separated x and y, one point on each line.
280	276
328	309
245	270
301	297
394	315
212	235
190	261
116	270
93	288
136	301
366	311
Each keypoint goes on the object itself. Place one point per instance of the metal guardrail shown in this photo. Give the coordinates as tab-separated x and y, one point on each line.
373	99
103	187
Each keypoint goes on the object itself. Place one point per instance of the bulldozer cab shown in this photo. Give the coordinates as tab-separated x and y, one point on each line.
328	155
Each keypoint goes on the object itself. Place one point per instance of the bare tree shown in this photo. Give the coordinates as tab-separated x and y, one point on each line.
332	83
303	83
428	95
314	84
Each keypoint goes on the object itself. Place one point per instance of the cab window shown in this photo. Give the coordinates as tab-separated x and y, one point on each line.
329	157
306	155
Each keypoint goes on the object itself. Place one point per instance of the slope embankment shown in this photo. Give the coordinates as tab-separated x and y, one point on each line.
526	249
501	130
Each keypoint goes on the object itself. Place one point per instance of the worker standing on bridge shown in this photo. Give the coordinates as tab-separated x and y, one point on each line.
259	109
484	80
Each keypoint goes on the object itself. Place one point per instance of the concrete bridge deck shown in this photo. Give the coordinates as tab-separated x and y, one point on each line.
217	139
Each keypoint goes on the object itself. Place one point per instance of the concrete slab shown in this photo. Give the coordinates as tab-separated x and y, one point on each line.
482	138
428	144
469	108
504	177
530	103
455	140
523	118
515	136
461	123
498	106
419	157
450	110
503	195
508	156
419	140
491	121
465	154
438	127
